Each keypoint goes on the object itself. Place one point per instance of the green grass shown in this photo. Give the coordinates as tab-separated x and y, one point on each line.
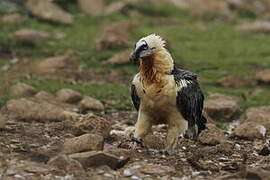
208	45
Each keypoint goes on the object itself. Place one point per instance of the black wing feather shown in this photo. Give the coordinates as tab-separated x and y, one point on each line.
135	98
190	99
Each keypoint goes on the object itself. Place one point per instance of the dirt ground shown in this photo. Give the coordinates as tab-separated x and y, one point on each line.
36	143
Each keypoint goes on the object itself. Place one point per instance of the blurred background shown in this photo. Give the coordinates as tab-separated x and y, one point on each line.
85	45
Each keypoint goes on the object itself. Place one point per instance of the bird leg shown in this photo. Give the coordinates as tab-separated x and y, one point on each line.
176	127
192	132
143	127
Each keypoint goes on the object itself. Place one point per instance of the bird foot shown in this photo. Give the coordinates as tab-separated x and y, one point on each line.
136	143
191	133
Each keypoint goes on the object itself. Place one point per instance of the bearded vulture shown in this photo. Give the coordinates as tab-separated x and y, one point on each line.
164	94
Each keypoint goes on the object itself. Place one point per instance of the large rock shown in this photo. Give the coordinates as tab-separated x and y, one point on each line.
117	59
260	115
13	18
219	106
263	77
54	65
68	96
257	7
44	96
98	158
86	142
29	110
114	36
115	7
89	103
22	90
92	7
212	135
29	36
234	81
49	11
66	164
255	27
250	130
91	124
216	6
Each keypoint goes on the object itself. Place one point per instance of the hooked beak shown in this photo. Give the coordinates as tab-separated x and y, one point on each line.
135	56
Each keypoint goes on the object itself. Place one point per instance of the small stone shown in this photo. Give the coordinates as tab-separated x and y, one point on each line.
86	142
89	103
43	95
260	115
68	96
114	36
13	18
65	163
221	106
263	77
22	90
54	65
92	7
48	11
234	81
117	59
212	135
115	7
92	124
250	130
29	36
28	110
255	27
98	158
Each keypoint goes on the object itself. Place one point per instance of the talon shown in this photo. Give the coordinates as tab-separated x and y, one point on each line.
137	140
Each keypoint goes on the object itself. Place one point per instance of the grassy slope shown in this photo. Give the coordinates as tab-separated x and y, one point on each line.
216	53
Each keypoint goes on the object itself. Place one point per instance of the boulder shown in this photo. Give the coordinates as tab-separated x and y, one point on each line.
260	115
89	103
29	36
29	110
92	7
22	90
220	7
255	27
45	96
48	11
13	18
220	106
114	36
67	164
116	7
250	130
233	81
212	135
55	64
91	124
98	158
263	77
117	59
86	142
68	96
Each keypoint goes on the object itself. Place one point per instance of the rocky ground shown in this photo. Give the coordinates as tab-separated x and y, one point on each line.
64	95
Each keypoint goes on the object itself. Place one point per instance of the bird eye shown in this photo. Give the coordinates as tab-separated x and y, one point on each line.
145	47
